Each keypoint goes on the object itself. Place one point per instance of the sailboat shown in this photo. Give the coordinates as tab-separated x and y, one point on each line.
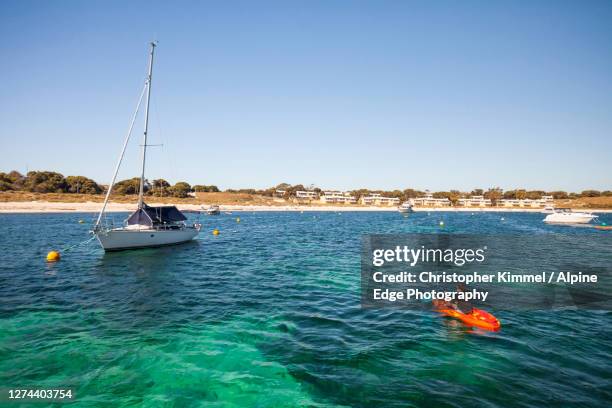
148	226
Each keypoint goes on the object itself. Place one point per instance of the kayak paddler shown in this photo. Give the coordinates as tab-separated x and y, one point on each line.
462	306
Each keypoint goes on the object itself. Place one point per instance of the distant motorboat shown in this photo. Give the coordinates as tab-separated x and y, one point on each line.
549	209
405	208
147	226
213	210
567	216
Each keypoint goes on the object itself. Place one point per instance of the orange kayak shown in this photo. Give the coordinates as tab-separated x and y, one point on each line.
603	227
477	318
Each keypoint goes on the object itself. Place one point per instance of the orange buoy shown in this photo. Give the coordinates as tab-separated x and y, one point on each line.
53	256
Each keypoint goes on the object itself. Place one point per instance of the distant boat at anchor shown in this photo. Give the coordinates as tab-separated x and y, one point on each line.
567	216
405	208
213	210
148	226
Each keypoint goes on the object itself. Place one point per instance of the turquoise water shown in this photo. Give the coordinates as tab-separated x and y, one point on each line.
267	314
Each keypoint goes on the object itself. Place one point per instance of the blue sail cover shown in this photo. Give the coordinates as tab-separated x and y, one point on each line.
155	216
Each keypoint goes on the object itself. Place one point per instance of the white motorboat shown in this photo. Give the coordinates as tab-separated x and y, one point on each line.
213	210
147	226
405	208
567	216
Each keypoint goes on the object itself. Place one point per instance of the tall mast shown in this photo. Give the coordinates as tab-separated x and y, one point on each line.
146	127
125	143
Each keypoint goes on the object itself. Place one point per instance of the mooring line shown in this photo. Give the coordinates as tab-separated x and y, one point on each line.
68	248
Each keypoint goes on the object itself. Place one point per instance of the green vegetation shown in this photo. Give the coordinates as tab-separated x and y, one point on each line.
48	182
11	181
130	186
453	196
291	190
82	185
205	189
160	188
45	182
410	193
495	194
181	189
590	193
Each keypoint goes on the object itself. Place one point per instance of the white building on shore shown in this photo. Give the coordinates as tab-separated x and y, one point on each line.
337	197
306	195
475	201
378	199
429	201
546	200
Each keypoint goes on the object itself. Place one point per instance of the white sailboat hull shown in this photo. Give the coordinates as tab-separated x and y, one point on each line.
121	238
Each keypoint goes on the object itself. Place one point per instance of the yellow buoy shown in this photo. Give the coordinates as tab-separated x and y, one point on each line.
215	232
53	256
237	219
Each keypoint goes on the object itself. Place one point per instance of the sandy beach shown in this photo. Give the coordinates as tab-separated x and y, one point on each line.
93	207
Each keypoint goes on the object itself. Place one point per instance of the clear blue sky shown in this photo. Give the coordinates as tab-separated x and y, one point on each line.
341	94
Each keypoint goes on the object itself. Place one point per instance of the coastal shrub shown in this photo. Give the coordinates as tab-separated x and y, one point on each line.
82	185
130	186
411	193
590	193
282	186
290	191
559	195
14	179
243	191
494	194
393	194
45	182
5	185
160	188
535	194
268	192
181	189
520	194
477	192
205	189
360	193
440	194
509	195
453	195
5	182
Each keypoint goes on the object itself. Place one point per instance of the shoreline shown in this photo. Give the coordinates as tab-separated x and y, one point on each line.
26	207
